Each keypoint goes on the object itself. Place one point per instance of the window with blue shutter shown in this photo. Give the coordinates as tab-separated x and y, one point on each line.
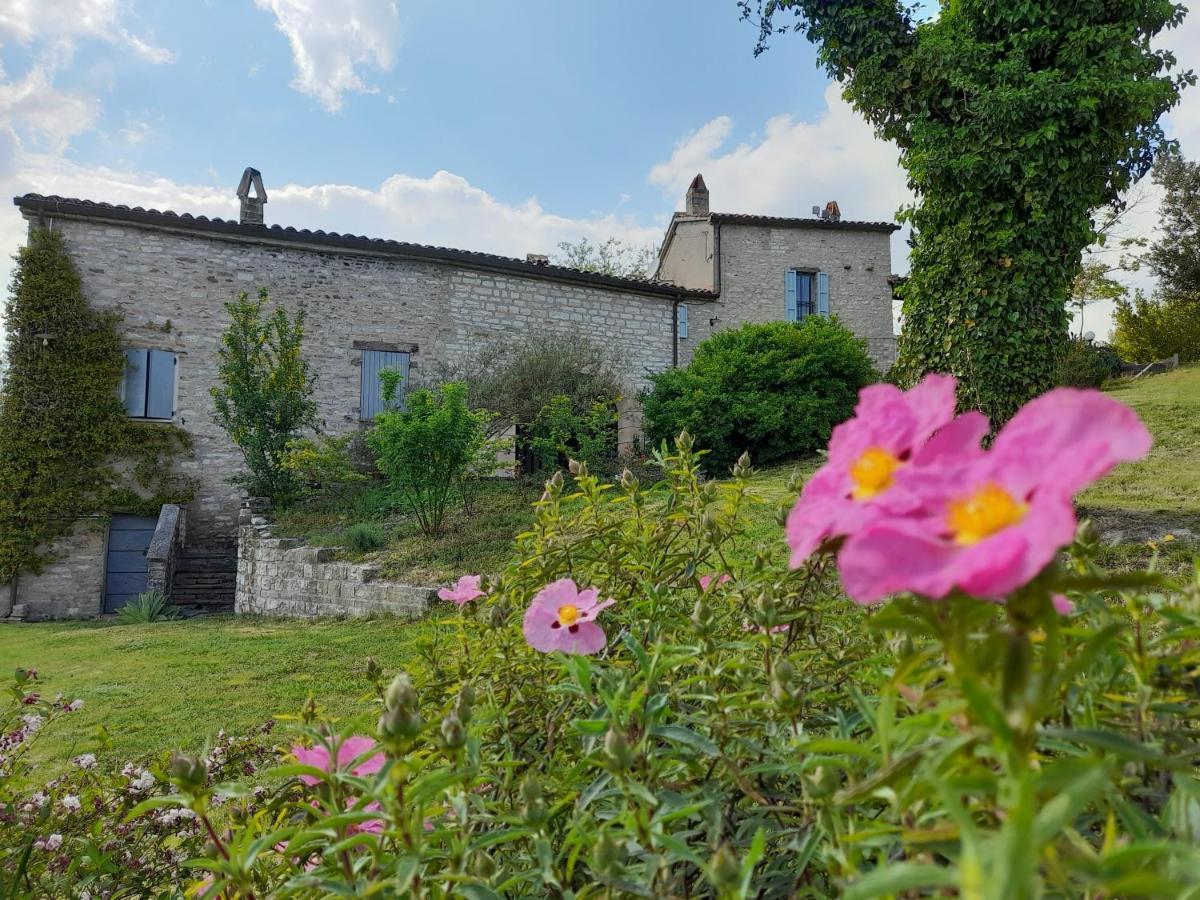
683	321
370	402
801	295
823	293
149	386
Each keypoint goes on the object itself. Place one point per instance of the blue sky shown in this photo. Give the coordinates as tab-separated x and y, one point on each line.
504	127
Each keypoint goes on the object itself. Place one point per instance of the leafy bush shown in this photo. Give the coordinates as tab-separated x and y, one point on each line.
559	432
100	830
264	396
324	465
427	447
774	391
146	607
1086	364
364	537
1150	329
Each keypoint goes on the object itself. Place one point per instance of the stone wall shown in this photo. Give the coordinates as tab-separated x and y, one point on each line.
753	263
170	287
70	586
284	577
163	549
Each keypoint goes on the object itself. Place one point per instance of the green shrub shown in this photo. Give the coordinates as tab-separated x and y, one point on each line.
323	465
774	391
1085	364
1150	329
365	537
559	432
426	448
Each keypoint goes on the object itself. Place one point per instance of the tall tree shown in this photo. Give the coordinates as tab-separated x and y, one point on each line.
61	415
612	257
1015	120
263	398
1175	258
1092	285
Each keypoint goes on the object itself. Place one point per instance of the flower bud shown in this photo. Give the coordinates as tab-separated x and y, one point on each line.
483	864
464	705
795	483
1086	533
781	516
608	857
535	801
400	693
616	748
374	670
574	466
554	485
498	615
309	712
725	870
765	611
453	732
188	770
742	467
398	722
685	441
628	481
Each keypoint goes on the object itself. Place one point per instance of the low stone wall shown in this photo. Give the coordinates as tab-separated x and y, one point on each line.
160	557
287	578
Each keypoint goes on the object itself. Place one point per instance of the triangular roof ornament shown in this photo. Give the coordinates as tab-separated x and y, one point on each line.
252	177
698	184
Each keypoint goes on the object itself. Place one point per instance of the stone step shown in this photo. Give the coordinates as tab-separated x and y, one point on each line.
205	580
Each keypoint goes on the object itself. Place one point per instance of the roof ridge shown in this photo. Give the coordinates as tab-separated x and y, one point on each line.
353	241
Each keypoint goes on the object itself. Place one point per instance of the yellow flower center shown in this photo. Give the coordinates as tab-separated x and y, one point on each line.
872	473
980	515
568	614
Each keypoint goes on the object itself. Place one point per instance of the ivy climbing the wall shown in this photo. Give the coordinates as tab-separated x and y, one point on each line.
63	430
1014	122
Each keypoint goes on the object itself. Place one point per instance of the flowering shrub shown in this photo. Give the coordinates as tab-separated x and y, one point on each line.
74	836
724	724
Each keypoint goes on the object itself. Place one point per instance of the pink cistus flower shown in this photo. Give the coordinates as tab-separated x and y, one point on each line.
465	591
349	750
561	617
892	430
706	580
989	523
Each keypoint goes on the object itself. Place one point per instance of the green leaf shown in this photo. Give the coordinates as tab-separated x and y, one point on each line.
681	735
897	877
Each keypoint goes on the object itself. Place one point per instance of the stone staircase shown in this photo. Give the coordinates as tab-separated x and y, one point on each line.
205	580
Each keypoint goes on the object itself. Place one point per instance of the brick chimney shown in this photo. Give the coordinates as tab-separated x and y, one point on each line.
833	212
252	207
697	197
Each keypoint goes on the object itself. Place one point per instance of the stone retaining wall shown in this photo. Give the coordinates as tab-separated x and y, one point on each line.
285	577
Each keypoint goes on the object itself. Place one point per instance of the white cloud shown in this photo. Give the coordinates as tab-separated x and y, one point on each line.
332	43
137	132
34	108
28	21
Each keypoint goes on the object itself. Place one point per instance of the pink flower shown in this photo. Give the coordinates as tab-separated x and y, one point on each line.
561	618
465	591
988	523
892	430
706	580
1062	605
349	750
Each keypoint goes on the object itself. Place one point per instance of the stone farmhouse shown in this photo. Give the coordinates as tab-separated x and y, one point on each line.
374	303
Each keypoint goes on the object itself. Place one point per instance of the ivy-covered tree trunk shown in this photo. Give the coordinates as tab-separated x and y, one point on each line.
1015	120
60	412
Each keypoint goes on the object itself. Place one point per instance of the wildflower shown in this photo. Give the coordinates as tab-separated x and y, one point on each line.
561	618
891	430
74	706
70	803
141	780
33	723
465	591
51	843
988	523
706	580
1062	605
349	750
86	761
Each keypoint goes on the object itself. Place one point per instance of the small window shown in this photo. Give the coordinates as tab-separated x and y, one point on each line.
683	322
807	293
149	387
370	402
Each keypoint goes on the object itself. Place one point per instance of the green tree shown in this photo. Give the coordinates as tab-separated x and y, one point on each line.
1014	120
1153	328
60	411
1093	284
611	257
1175	259
264	396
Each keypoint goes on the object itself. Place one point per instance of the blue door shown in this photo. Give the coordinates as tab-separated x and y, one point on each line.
125	570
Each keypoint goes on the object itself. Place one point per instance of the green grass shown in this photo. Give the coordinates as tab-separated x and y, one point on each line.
1168	481
174	684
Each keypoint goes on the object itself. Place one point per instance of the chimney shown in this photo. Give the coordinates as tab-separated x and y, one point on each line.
252	207
697	197
833	212
537	259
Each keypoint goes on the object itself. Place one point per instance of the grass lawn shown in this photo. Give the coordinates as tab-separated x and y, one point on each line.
155	685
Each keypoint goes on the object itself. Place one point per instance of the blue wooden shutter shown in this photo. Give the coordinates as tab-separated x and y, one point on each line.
370	401
683	321
160	393
137	368
823	293
793	280
804	295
